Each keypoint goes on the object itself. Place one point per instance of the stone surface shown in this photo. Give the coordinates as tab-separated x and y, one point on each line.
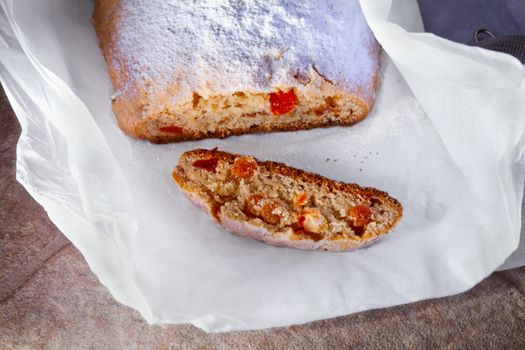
49	298
27	237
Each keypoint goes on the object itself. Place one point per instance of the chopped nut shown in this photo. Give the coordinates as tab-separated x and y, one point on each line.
252	204
270	213
312	220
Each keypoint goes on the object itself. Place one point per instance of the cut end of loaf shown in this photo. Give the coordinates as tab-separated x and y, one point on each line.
283	206
314	102
245	112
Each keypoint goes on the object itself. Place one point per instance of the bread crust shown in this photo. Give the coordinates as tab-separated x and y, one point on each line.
247	229
135	106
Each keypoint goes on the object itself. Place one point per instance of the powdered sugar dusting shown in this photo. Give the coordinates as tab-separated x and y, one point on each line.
222	46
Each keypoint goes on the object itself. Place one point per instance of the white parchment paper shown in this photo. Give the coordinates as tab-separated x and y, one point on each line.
445	137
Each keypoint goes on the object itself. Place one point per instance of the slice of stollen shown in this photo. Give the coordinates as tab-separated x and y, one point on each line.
284	206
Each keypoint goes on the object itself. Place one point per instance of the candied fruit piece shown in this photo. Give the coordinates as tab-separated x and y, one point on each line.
282	102
360	216
265	208
301	199
244	167
209	164
312	220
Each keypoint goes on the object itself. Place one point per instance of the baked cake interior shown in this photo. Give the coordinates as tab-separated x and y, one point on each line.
285	109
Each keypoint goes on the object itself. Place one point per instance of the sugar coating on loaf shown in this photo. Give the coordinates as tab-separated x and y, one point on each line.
220	47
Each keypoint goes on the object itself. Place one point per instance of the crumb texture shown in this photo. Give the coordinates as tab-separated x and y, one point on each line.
220	116
285	206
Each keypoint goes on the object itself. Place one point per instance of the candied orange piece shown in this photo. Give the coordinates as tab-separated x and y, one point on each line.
361	215
244	167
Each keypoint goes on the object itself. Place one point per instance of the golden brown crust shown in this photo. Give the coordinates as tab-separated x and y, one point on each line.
129	110
301	175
